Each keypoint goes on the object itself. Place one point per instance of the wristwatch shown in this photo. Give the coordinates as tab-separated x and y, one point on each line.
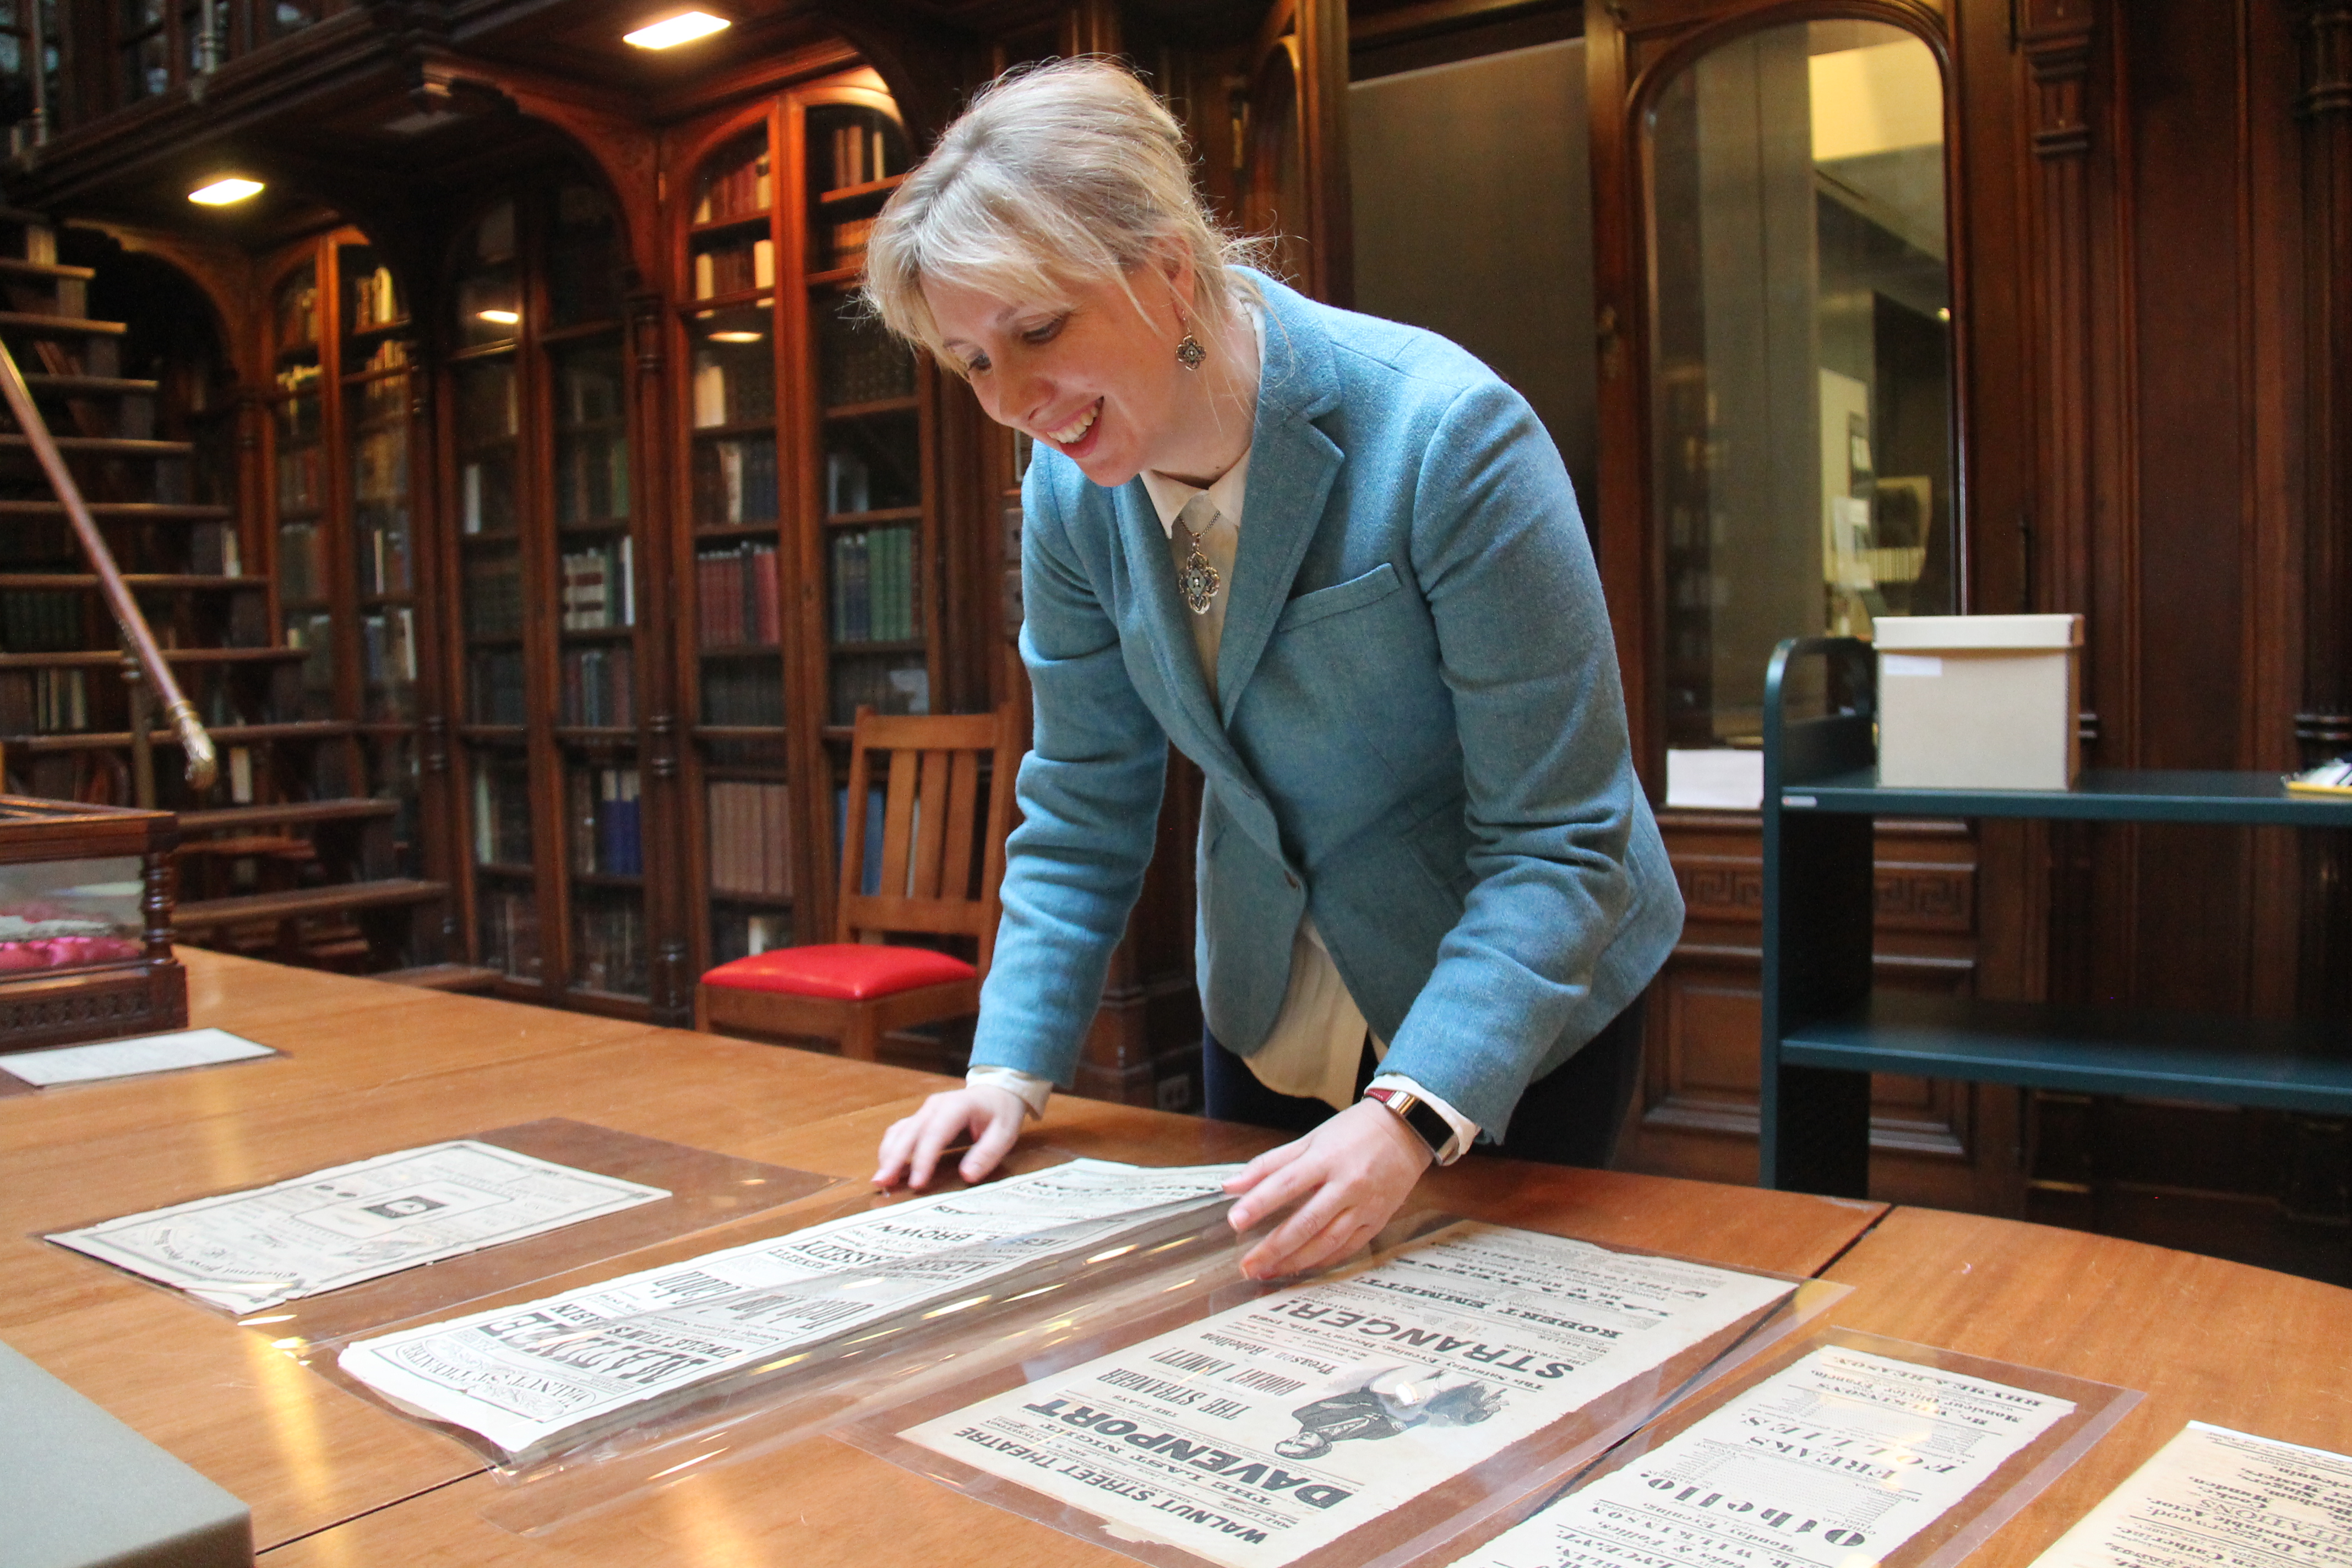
1418	1114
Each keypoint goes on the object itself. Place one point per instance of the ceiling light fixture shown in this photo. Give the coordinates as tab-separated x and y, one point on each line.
737	337
672	31
501	317
220	193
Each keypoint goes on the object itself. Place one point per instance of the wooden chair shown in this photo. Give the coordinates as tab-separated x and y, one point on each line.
857	988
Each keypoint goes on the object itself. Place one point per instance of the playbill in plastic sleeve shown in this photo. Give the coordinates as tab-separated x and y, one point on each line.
527	1377
1833	1463
126	1058
335	1227
1262	1432
2211	1495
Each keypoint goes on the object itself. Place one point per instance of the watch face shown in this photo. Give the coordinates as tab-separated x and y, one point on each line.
1418	1114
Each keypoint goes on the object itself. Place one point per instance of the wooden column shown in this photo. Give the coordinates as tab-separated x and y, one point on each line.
2324	726
2056	39
1322	27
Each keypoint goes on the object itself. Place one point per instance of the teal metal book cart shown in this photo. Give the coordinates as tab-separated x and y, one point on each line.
1826	1029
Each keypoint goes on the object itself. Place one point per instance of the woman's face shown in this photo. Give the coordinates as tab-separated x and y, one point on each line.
1094	377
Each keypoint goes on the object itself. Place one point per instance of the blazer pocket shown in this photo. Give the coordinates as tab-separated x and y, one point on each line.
1353	594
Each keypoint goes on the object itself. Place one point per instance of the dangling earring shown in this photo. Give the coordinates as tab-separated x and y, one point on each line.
1189	351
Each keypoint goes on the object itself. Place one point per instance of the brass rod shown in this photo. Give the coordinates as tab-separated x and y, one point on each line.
138	638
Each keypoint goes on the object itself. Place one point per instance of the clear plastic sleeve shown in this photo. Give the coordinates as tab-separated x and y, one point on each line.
705	1191
1422	1525
1021	1307
1956	1530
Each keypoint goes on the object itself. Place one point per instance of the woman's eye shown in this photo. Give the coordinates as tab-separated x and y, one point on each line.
975	365
1044	333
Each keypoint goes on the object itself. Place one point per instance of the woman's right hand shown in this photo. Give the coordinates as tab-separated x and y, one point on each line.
912	1147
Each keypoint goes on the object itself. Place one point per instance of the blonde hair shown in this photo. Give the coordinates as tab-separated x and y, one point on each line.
1054	178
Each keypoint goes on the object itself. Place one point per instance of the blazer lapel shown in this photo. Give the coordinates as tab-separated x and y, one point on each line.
1198	731
1292	467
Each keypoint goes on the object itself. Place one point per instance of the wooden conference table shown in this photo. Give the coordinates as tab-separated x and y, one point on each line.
334	1480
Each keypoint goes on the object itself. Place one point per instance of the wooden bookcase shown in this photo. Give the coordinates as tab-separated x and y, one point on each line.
336	518
808	496
543	546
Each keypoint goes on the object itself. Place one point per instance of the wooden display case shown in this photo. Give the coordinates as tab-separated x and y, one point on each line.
86	923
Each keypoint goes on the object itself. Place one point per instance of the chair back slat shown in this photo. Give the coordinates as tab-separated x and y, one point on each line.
964	799
898	827
853	833
931	822
931	825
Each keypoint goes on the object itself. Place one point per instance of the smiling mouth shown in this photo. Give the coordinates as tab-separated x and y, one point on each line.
1075	430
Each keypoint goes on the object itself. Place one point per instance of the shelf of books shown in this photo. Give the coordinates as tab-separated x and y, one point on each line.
872	440
298	488
375	346
486	444
547	550
733	503
604	822
805	483
874	499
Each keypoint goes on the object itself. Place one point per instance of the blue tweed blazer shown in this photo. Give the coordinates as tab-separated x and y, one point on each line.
1418	733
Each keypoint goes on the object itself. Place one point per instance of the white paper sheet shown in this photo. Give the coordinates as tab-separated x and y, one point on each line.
1722	778
530	1376
253	1249
123	1058
1265	1432
2214	1496
1833	1463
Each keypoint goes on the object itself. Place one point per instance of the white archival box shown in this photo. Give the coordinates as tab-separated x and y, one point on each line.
1979	702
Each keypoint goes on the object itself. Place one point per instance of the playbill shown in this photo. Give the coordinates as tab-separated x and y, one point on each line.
249	1250
527	1377
2214	1496
1258	1435
1833	1463
126	1058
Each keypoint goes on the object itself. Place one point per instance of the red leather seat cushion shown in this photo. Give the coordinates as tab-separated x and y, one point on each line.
844	970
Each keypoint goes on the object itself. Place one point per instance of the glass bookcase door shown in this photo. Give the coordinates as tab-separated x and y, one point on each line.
596	568
807	485
489	283
505	903
1801	361
872	495
487	430
603	820
582	260
375	359
375	350
735	501
546	513
595	580
871	437
299	487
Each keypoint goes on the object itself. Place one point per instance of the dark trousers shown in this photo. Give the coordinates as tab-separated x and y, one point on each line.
1567	1117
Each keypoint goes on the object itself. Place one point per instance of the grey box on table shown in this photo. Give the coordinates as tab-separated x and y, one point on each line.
80	1489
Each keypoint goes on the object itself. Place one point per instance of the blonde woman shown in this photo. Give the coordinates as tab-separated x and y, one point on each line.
1338	563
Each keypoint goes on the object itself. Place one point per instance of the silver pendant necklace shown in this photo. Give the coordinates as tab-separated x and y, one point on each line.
1199	580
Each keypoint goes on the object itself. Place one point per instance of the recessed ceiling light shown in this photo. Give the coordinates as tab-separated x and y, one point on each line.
220	193
672	31
737	337
501	317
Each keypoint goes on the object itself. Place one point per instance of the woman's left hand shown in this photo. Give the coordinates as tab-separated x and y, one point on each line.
1349	1178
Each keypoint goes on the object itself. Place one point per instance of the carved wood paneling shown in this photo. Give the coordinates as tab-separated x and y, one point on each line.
1932	1141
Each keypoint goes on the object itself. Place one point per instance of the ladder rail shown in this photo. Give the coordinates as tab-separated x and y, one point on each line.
138	638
